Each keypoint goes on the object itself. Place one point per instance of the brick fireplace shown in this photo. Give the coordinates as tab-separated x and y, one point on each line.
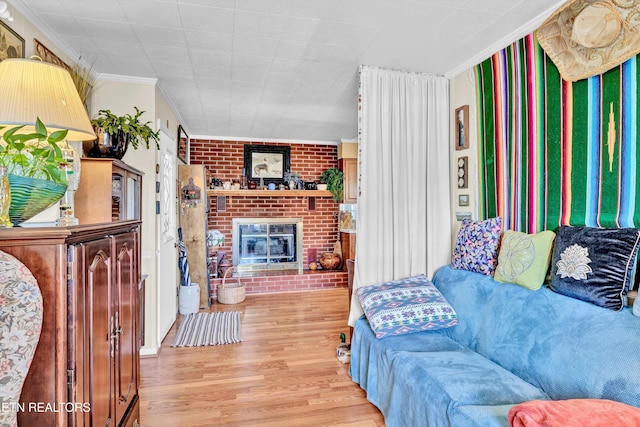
224	160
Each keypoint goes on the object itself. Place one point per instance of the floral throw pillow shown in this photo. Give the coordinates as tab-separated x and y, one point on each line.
477	246
403	306
524	258
594	264
20	327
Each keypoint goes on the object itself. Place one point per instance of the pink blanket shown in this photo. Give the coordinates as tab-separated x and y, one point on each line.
574	413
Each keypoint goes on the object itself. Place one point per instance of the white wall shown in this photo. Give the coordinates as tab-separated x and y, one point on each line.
120	94
463	92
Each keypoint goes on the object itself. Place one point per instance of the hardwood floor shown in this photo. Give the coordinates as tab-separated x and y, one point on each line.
284	373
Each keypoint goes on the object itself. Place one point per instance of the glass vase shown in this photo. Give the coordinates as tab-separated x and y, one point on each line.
5	198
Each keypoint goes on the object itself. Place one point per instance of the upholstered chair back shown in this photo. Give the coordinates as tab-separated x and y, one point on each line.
20	326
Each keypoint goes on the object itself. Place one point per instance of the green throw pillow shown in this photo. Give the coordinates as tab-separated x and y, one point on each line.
524	258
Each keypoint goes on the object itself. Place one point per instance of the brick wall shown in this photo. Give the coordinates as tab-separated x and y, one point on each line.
225	160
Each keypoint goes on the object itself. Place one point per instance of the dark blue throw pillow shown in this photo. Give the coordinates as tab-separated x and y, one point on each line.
594	264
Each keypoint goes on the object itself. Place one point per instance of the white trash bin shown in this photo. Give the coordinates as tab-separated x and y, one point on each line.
189	299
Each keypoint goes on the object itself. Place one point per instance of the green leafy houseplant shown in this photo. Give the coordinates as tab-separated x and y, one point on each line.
131	125
34	163
333	177
33	155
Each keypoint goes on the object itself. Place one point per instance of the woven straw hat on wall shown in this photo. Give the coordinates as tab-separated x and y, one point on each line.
587	37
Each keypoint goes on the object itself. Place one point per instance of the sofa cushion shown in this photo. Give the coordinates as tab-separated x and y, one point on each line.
477	245
524	258
594	264
404	306
556	343
431	388
371	358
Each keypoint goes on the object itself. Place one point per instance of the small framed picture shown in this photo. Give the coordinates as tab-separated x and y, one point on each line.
461	216
183	145
463	200
462	128
11	44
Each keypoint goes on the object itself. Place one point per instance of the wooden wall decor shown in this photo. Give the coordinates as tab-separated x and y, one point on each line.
193	221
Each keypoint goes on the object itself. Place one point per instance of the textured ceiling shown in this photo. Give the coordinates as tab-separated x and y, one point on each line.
278	69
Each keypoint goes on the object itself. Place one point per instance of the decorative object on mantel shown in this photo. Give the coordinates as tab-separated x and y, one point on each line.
291	178
333	177
31	152
215	183
116	132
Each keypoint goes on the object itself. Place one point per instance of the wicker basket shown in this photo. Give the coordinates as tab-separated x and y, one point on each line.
231	293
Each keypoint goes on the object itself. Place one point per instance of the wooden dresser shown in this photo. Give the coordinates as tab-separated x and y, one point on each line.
85	371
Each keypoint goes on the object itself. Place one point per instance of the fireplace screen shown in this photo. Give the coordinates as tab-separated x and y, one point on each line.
267	243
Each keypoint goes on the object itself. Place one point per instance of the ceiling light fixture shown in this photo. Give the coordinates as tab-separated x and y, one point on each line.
4	11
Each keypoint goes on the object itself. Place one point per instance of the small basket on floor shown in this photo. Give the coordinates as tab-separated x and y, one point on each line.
231	293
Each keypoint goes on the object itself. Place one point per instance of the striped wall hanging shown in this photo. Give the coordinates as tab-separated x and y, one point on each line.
553	152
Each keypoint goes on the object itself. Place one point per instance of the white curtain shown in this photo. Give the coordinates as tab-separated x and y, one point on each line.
404	221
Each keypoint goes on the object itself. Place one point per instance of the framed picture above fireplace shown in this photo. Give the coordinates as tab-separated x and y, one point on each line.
268	162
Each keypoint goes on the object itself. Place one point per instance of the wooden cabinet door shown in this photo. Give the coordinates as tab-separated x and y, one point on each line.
99	324
126	315
77	319
350	171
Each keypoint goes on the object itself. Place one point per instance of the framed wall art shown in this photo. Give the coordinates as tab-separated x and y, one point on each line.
462	172
268	162
47	56
12	45
183	145
462	128
463	200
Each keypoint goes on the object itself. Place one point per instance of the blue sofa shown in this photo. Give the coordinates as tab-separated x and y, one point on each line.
510	345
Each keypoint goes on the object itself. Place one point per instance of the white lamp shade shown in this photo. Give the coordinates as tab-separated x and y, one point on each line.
31	89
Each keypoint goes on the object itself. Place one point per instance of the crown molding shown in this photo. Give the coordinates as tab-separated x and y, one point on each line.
149	81
272	140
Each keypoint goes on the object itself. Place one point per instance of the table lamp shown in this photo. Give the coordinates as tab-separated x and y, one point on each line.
30	89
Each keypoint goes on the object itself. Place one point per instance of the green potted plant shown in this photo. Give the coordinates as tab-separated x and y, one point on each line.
333	177
34	165
116	132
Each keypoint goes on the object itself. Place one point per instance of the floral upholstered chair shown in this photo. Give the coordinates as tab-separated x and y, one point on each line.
20	326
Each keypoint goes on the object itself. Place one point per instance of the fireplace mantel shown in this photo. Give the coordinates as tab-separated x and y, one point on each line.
271	193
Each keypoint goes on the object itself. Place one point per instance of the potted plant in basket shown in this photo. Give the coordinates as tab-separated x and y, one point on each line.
333	177
34	166
116	132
